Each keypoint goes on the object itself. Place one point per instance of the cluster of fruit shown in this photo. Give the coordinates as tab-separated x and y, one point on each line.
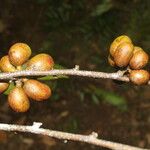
17	60
124	54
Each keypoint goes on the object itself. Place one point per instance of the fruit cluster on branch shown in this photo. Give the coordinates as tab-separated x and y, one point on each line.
123	54
17	60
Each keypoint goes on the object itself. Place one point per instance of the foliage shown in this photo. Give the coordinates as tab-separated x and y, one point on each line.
11	86
56	66
98	94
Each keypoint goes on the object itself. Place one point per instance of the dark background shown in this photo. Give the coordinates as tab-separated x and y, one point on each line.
78	33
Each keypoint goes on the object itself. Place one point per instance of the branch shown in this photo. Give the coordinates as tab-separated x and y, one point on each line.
72	72
91	139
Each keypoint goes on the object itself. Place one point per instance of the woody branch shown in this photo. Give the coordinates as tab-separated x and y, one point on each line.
119	75
91	139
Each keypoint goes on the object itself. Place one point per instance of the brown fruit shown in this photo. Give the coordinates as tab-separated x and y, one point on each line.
117	42
5	65
139	59
136	49
19	53
41	62
111	61
18	100
123	54
36	90
139	77
3	86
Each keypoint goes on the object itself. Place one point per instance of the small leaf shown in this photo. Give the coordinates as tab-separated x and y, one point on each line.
95	99
55	97
57	66
11	86
102	8
48	78
62	77
53	77
24	66
116	100
110	97
81	95
72	125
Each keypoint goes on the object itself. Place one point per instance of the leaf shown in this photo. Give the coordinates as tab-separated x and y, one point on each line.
11	86
72	125
102	8
53	77
81	95
95	99
116	100
24	66
110	97
57	66
55	97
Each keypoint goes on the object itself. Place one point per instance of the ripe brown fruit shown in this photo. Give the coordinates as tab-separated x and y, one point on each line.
3	86
139	59
111	61
19	53
36	90
123	54
139	77
136	49
117	42
18	100
5	65
40	62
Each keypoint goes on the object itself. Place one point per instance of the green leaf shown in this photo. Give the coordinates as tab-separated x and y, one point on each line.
57	66
81	95
102	8
115	100
55	97
53	77
24	66
11	86
72	125
95	99
110	97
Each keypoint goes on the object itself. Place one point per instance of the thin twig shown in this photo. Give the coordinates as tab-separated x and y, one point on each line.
72	72
91	139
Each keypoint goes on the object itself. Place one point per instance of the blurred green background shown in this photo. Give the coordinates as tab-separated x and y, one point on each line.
79	33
